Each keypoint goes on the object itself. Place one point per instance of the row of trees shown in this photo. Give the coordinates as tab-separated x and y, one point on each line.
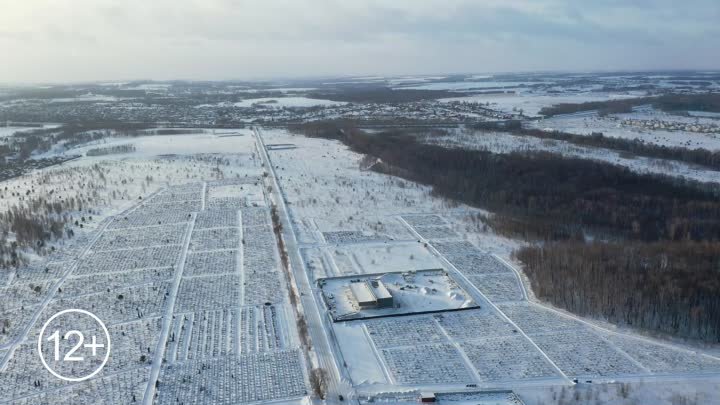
110	150
709	102
603	107
698	156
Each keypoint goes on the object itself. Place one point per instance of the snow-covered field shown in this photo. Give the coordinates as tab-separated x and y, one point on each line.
326	191
426	290
181	261
704	114
510	342
531	103
221	142
587	123
498	142
9	131
381	257
700	390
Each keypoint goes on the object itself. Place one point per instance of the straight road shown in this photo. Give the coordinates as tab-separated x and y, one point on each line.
321	345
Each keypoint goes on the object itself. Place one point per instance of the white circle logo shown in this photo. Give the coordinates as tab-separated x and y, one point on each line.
73	345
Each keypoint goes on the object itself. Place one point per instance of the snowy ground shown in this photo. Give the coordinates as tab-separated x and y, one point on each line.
704	114
587	123
224	141
381	257
346	221
498	142
106	185
182	231
701	390
9	131
531	103
187	278
413	292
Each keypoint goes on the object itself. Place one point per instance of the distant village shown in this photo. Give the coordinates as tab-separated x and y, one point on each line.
671	125
257	113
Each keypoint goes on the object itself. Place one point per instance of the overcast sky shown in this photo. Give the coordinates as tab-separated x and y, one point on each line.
82	40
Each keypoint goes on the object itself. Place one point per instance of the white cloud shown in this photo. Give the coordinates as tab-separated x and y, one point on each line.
56	40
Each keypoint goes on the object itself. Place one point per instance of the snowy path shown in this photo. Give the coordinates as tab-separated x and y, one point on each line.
167	319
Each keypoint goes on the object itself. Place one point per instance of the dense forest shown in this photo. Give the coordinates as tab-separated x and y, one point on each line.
668	287
669	102
635	249
709	102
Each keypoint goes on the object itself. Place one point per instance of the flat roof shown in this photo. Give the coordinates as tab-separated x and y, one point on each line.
380	291
362	292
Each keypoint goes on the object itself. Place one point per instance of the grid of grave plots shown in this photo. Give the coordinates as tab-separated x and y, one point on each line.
483	346
234	194
663	359
26	287
229	329
248	329
235	379
487	273
263	281
580	350
344	237
173	246
135	238
431	227
86	282
126	387
63	275
212	273
122	272
455	348
123	377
